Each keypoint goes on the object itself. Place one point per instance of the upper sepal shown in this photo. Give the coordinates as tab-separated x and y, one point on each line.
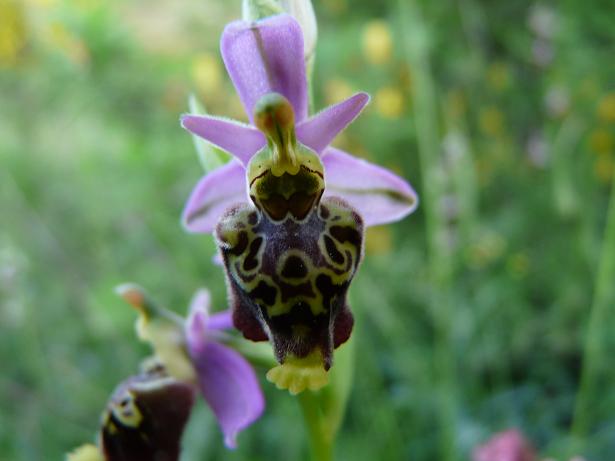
266	56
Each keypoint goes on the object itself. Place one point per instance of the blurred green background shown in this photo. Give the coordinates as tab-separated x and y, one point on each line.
491	307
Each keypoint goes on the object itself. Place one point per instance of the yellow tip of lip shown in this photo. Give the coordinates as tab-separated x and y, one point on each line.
87	452
298	374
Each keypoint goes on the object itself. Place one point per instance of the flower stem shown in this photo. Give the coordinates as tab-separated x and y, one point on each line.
323	411
320	438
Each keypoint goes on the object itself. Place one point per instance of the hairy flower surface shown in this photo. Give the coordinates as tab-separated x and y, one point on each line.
289	211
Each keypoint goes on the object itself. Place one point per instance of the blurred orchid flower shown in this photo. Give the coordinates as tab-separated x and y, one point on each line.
288	211
193	352
509	445
226	380
143	421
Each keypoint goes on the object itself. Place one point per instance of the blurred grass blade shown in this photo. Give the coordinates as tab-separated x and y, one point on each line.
597	371
565	142
416	42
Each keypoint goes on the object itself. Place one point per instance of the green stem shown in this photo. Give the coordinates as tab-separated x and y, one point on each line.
320	437
323	411
596	371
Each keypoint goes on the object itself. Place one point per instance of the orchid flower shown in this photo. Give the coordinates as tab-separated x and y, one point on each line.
193	352
288	211
145	417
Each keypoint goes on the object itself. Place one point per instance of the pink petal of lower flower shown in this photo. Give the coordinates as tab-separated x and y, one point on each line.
505	446
264	57
230	387
318	131
213	194
379	195
197	322
221	320
200	322
238	139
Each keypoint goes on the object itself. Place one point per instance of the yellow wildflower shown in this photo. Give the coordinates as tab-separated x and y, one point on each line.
491	120
377	42
601	141
389	102
207	73
337	90
13	34
606	108
604	167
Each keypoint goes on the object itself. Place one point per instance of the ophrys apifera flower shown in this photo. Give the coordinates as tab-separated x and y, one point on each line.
289	211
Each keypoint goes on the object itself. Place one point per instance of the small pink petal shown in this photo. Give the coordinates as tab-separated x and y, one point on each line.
198	319
318	131
221	320
230	387
213	195
200	322
505	446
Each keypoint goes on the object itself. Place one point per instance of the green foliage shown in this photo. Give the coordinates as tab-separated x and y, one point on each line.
471	314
